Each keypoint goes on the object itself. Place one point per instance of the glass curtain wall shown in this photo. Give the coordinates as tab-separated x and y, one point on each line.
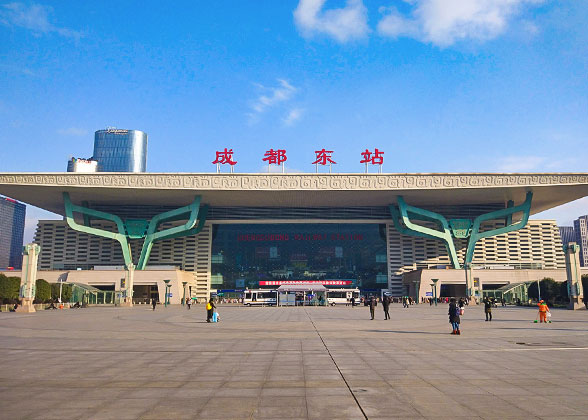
250	255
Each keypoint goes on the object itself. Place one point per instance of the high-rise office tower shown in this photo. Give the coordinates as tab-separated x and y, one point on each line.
119	150
567	234
12	221
581	231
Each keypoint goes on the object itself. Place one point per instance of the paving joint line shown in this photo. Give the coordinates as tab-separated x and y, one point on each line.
337	366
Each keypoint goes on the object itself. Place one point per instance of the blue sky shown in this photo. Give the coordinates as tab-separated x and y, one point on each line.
438	85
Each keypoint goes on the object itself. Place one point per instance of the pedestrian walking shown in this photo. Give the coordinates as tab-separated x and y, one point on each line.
386	306
454	317
488	309
188	303
543	309
210	307
153	303
372	307
352	301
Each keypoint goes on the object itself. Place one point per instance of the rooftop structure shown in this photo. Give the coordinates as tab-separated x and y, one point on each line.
239	230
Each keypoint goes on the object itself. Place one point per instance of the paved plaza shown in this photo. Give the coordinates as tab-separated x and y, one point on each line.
117	363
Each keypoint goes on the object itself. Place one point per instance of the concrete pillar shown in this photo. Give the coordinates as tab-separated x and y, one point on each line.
28	279
130	281
576	294
470	290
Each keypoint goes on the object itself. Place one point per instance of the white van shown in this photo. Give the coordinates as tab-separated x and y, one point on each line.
342	296
260	297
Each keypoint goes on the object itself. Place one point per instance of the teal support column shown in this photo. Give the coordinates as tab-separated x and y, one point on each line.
508	218
410	228
506	213
138	228
188	228
121	236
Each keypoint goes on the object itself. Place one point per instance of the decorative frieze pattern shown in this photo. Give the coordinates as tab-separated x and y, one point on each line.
299	182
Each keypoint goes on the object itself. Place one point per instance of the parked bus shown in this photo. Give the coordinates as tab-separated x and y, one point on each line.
260	297
342	296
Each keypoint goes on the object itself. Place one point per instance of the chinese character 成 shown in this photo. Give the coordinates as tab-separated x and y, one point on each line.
223	157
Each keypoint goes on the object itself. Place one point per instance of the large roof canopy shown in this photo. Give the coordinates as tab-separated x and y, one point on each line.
45	190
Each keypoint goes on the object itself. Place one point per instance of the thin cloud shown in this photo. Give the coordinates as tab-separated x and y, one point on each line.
73	131
292	116
34	17
444	22
521	163
344	24
270	97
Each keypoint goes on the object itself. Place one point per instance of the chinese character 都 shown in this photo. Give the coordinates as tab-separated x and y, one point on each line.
275	157
225	156
323	157
376	159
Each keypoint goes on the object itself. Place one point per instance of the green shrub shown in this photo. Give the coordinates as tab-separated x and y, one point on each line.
66	292
551	291
9	289
43	293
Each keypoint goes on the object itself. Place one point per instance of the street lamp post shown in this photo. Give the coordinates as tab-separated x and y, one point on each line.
167	287
184	283
539	290
435	289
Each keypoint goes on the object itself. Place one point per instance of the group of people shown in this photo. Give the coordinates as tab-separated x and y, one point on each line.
386	301
455	310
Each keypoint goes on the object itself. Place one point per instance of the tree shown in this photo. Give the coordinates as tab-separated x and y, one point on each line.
9	289
66	292
550	290
43	293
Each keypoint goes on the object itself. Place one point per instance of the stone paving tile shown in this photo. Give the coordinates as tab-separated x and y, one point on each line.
274	363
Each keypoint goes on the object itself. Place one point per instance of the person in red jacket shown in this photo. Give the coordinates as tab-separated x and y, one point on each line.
543	309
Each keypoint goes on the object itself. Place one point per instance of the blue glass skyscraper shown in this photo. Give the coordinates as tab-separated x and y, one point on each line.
12	222
119	150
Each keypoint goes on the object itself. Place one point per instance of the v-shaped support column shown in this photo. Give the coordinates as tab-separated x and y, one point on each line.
121	236
407	227
187	229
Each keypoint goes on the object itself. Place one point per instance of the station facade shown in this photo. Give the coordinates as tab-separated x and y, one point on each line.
238	231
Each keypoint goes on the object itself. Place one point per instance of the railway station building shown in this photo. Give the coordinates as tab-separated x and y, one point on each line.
223	233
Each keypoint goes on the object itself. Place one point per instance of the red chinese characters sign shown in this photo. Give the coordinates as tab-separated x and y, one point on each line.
375	159
323	157
323	282
224	157
275	157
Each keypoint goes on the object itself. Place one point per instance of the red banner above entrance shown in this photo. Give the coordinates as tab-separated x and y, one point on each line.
323	282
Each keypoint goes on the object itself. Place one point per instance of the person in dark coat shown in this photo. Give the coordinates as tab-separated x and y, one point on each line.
153	303
454	317
488	309
210	307
372	306
386	306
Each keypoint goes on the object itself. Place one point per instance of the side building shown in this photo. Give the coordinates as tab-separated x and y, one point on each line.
581	231
12	221
567	234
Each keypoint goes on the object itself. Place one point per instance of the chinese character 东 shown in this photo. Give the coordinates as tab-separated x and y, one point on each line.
376	159
323	157
225	156
275	157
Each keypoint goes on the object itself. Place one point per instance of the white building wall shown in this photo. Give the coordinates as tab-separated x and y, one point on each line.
537	245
